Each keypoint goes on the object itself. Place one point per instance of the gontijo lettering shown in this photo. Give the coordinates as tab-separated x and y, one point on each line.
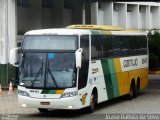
130	62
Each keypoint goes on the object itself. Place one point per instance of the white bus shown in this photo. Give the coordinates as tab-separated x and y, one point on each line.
80	66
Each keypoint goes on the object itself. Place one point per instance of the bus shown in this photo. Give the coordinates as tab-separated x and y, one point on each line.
80	66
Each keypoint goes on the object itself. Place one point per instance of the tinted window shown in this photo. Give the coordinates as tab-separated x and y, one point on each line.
23	3
101	46
138	45
96	47
47	3
117	46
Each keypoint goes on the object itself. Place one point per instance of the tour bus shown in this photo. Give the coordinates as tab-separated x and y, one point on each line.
80	66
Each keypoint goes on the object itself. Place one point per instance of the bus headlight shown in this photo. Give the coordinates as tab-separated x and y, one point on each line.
69	94
23	93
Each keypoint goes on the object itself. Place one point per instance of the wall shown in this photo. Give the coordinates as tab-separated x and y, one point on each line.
130	15
7	40
155	16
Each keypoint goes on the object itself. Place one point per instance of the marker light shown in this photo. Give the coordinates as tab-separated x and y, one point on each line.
69	94
70	107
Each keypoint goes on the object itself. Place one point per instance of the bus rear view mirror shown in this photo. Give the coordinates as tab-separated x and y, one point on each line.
13	58
79	58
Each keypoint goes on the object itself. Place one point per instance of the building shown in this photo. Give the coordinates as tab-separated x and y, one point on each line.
19	16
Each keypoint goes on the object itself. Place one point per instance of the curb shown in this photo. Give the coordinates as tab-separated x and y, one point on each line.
154	72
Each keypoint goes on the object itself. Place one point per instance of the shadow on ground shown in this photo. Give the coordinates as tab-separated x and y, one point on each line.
78	114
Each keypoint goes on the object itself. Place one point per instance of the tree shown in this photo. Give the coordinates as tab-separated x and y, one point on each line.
154	50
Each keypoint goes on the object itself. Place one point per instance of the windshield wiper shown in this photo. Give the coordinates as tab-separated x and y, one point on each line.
52	77
51	74
41	68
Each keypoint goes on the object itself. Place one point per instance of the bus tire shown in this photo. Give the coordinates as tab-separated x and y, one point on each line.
43	110
131	93
136	89
93	102
135	93
138	86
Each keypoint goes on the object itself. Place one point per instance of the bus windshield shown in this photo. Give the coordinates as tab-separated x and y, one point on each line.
48	70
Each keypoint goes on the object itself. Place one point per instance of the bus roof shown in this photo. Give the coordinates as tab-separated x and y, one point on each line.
97	27
86	29
58	31
107	30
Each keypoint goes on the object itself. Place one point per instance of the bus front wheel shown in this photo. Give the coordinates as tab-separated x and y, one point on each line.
93	102
43	110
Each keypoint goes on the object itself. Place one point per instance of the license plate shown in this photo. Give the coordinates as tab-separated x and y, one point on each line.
45	103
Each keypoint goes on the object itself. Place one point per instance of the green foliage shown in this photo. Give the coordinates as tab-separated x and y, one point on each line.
153	62
154	50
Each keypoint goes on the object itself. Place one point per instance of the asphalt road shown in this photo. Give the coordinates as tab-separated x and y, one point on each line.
148	102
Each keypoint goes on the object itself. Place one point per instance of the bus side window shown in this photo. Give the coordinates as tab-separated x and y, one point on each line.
137	45
96	50
124	46
107	47
101	47
116	46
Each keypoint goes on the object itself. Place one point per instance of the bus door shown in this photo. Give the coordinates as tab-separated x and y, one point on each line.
83	72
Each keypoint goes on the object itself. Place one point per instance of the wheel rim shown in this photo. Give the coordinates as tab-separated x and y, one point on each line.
92	102
131	92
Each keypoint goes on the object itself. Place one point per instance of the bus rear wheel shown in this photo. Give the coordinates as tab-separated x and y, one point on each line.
43	110
133	91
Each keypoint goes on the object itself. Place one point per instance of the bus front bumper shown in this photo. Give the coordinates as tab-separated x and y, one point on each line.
61	103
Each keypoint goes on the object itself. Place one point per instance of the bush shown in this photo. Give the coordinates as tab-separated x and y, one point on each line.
153	62
154	50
